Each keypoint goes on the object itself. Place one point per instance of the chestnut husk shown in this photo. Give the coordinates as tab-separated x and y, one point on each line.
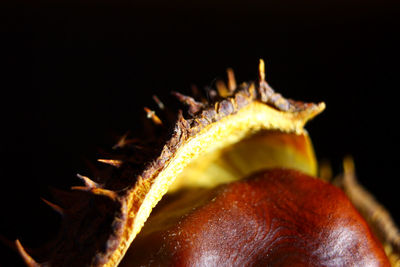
103	217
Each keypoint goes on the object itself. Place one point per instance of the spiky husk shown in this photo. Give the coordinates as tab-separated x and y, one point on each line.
102	218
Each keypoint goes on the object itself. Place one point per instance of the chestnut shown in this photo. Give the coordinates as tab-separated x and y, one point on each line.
276	217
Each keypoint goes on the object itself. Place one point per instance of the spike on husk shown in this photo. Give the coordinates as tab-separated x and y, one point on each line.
121	142
88	182
151	114
158	102
261	70
113	162
25	256
104	192
55	207
194	106
222	89
231	80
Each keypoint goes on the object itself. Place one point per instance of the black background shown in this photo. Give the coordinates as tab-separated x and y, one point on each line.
75	76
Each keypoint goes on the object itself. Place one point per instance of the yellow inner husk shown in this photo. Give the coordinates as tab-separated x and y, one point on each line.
256	137
263	150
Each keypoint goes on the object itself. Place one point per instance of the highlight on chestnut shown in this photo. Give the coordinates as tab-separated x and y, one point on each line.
229	179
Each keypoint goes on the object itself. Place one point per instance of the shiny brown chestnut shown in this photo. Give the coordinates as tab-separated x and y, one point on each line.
277	217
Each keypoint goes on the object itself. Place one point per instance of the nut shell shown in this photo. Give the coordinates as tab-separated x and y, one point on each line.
278	217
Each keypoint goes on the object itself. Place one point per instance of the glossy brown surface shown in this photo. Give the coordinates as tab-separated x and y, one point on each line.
275	218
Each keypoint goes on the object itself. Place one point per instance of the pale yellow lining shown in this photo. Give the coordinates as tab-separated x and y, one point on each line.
225	132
